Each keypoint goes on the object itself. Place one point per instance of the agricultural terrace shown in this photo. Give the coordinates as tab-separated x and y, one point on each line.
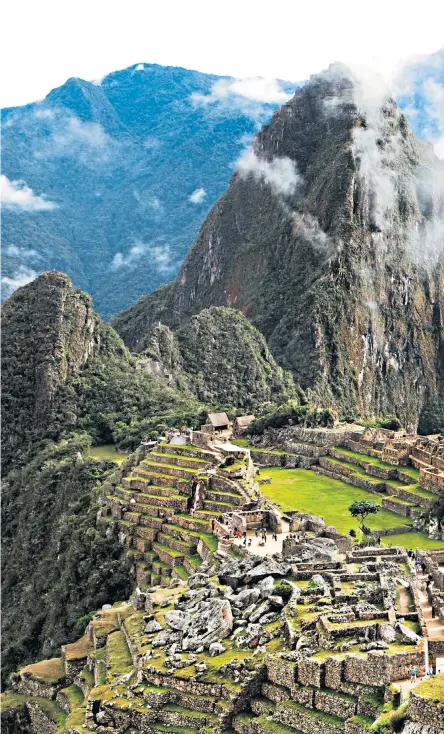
305	491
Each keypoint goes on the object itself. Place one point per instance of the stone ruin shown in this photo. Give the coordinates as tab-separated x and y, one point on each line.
215	639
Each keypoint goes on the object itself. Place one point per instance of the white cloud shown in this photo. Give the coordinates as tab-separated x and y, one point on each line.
247	96
44	113
160	255
198	196
21	276
434	94
22	252
17	195
90	134
70	136
279	173
256	89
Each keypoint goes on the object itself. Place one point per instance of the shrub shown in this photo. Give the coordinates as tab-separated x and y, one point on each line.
292	414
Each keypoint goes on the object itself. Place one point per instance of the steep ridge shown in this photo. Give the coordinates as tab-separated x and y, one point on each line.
329	239
65	370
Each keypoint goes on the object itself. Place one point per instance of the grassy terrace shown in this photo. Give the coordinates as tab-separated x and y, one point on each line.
408	470
410	541
306	491
108	452
49	671
432	689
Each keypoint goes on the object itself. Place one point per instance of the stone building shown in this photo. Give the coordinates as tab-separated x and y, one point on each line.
241	423
216	423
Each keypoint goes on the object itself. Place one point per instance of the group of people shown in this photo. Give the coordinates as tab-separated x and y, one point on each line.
263	534
414	673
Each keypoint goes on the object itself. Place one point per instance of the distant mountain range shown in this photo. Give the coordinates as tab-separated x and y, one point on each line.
110	181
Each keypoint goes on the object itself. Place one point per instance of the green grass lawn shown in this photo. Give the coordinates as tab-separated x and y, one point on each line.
306	491
410	541
107	451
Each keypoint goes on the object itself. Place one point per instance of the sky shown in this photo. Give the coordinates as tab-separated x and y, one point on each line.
46	42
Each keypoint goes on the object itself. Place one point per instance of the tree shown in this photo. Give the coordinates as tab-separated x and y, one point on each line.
361	510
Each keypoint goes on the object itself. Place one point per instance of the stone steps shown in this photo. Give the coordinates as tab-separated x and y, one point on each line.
151	522
146	477
180	572
146	533
163	491
186	462
194	523
169	555
173	714
179	450
307	720
398	506
172	502
205	515
192	563
169	469
217	507
216	496
178	545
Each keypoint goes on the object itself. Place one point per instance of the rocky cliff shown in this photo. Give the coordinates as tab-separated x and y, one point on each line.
329	239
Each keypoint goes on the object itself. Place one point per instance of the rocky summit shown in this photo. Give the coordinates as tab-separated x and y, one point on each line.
329	240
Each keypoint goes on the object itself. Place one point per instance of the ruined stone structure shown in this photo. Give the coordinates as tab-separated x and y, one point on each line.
314	639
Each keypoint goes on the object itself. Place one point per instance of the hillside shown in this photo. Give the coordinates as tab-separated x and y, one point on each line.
67	381
329	239
109	181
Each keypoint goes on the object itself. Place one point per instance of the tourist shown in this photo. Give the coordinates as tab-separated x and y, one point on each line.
423	568
430	671
413	673
249	542
256	532
398	550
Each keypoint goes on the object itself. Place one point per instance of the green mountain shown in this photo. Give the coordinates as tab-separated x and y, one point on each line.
117	176
329	239
67	381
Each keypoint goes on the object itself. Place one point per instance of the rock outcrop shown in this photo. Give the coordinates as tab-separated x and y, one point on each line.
329	239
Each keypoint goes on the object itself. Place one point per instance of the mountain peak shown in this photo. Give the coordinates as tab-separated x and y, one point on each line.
318	240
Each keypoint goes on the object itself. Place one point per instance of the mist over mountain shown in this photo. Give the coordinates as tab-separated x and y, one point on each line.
329	239
110	181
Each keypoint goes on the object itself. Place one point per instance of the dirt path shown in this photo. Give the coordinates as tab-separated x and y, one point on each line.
404	601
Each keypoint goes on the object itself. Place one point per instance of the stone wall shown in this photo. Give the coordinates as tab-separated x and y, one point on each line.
425	711
40	721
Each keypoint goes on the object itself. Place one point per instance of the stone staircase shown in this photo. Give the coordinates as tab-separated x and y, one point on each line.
151	505
305	709
398	486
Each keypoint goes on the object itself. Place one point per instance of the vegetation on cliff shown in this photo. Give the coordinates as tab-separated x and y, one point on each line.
56	566
326	239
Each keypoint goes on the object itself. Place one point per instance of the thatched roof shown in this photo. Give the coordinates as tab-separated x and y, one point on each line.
244	420
218	420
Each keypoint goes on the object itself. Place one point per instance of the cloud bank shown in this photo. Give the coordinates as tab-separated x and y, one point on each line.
17	195
279	173
20	277
245	96
160	255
